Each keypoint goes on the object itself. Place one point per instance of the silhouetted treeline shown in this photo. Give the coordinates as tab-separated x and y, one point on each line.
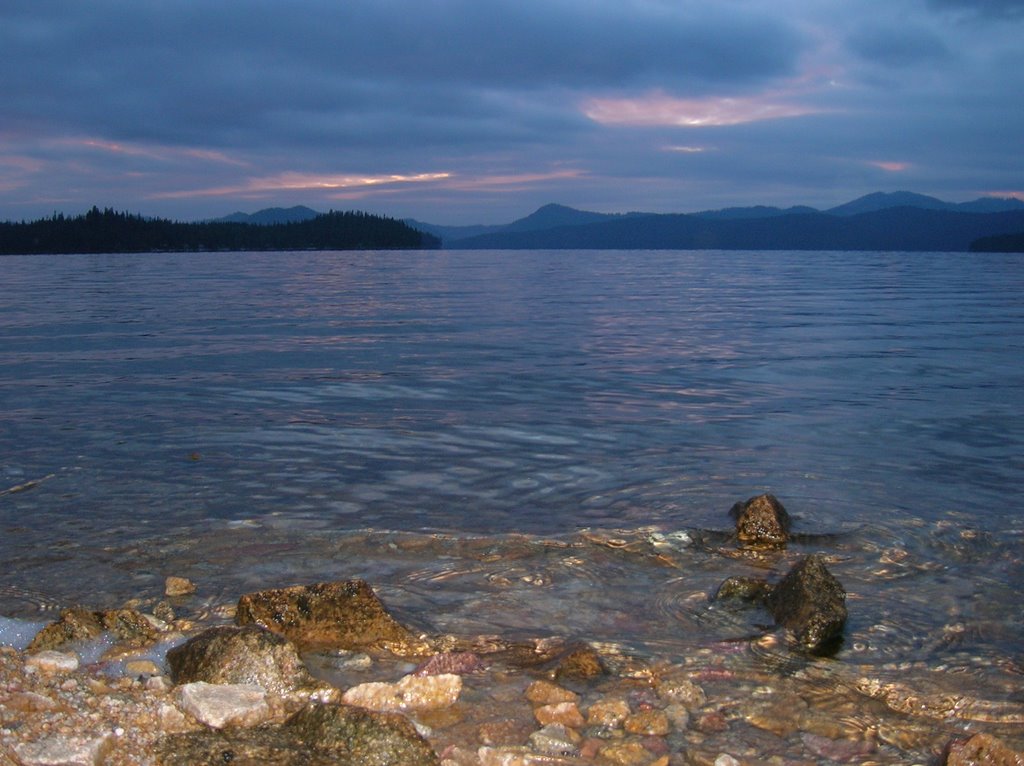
1003	243
109	231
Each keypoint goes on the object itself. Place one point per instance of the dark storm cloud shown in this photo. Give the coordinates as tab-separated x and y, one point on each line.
470	110
168	71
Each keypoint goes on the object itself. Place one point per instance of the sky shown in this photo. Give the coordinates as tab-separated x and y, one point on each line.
480	111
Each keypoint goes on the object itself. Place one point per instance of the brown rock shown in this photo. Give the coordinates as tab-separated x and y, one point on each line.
761	522
178	586
73	625
626	754
318	735
810	602
982	750
647	722
608	713
249	655
565	713
581	662
547	693
335	615
77	624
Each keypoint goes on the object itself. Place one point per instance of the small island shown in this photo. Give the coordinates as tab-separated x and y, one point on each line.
109	231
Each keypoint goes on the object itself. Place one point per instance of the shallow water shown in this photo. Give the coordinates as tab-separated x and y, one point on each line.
532	443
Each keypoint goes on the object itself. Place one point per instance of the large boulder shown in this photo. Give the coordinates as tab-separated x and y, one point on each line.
809	602
317	735
333	615
246	655
761	522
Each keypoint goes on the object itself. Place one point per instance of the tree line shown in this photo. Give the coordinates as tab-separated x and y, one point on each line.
110	231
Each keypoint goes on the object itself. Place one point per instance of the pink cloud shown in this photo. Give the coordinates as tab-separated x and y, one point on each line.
660	109
891	167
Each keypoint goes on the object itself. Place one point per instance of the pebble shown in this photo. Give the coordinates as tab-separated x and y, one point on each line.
627	754
52	661
565	713
220	705
178	586
608	713
648	722
547	693
555	739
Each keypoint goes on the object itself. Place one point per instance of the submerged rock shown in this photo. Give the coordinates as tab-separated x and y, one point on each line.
582	661
982	750
459	663
317	735
247	655
761	522
750	590
334	615
810	602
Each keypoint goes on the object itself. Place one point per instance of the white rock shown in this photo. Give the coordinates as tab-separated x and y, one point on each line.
51	661
64	751
409	693
220	705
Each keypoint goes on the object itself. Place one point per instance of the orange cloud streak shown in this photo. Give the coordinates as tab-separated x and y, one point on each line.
291	181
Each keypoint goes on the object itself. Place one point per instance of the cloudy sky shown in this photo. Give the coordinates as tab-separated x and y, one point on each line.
480	111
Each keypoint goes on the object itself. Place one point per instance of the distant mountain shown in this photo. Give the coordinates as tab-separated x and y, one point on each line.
546	217
882	201
893	229
879	221
758	211
271	215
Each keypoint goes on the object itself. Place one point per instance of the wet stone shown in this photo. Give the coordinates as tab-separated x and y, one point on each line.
566	713
743	590
627	754
581	662
761	522
408	693
810	602
648	722
52	661
128	626
178	586
555	739
547	693
317	735
333	615
608	713
675	687
73	625
249	655
220	705
65	751
982	750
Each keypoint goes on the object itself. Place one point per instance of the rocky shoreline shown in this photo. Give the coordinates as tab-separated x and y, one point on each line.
323	673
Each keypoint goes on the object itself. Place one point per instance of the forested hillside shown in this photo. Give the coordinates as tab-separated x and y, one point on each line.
109	231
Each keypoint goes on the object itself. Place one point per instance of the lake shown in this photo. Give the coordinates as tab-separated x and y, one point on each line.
531	441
